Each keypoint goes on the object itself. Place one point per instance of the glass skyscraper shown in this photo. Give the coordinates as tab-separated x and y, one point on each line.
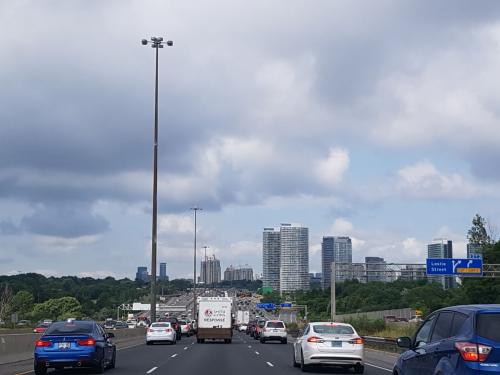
294	258
338	249
271	249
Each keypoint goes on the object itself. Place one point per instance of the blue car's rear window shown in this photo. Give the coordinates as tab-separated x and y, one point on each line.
69	328
487	326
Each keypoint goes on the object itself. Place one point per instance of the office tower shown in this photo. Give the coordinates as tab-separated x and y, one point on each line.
271	249
441	250
210	271
375	269
340	250
163	272
238	273
142	274
294	258
474	250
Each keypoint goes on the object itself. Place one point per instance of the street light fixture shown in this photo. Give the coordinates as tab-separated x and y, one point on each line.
156	42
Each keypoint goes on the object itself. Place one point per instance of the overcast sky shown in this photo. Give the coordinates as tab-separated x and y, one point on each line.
379	120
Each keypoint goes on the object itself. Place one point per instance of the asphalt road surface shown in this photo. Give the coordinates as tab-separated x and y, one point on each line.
245	356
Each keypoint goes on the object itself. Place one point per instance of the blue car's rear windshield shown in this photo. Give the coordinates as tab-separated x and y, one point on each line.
70	328
487	326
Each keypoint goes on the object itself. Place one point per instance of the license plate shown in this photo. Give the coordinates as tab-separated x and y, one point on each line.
336	344
64	345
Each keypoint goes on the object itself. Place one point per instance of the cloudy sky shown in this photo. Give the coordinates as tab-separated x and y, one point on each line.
379	120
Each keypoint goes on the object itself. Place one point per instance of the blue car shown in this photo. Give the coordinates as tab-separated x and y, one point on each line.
454	341
75	343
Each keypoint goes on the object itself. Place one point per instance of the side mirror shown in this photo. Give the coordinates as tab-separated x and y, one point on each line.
110	335
404	342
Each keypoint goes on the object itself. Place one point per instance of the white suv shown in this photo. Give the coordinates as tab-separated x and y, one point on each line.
274	330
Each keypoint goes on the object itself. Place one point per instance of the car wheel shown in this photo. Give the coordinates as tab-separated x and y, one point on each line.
284	341
303	366
40	370
359	369
295	364
262	340
174	342
113	360
148	342
101	367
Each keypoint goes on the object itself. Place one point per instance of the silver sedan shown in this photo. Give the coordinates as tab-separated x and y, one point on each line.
330	344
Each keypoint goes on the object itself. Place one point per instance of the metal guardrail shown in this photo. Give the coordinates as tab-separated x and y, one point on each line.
383	343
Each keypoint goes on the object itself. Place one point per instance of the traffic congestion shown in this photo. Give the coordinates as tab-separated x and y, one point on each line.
455	340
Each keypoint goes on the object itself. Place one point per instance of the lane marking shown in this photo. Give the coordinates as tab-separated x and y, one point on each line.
380	368
185	348
249	346
174	355
23	373
270	364
151	370
257	353
128	347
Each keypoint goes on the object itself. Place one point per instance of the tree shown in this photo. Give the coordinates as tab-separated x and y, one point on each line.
22	302
58	309
477	234
5	301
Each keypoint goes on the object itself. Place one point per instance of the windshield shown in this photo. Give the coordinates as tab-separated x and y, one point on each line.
262	324
65	328
160	325
275	325
330	329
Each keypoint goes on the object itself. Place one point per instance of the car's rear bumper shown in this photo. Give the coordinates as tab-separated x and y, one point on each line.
161	338
67	359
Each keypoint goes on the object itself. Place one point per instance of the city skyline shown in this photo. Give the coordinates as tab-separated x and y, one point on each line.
386	133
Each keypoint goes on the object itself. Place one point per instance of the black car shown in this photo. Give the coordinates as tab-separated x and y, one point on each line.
175	325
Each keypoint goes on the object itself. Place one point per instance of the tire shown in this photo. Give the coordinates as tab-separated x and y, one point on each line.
303	366
359	369
101	367
262	340
198	341
284	341
149	342
113	361
40	370
295	364
173	342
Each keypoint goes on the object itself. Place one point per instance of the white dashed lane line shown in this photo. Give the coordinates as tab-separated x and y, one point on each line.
270	364
150	371
257	353
174	355
380	368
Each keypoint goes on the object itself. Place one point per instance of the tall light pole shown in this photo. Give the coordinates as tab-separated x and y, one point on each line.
195	209
156	42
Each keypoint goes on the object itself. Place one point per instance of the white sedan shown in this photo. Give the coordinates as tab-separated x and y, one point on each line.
329	344
160	331
242	328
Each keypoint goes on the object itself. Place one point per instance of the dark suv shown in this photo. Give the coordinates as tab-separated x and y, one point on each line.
454	340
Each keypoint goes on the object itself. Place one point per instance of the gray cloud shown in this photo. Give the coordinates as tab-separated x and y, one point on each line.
64	221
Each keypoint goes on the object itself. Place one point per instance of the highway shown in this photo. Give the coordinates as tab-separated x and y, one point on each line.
245	356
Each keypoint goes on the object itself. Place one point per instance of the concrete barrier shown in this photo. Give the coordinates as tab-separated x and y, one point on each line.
19	346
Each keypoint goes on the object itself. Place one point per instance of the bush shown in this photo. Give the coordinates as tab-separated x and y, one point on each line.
365	326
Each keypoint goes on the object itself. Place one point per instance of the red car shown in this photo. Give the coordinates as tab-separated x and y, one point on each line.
41	328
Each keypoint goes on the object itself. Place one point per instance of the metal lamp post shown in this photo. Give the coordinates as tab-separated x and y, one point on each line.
195	209
156	42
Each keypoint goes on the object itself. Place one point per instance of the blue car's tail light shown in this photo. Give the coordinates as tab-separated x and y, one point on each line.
42	343
473	352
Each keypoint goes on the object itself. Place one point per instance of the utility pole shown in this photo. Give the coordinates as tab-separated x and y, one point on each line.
332	292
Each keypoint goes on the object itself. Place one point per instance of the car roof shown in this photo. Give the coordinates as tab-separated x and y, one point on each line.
469	309
333	323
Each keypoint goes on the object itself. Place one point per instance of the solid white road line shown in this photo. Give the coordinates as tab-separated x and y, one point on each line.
150	371
174	355
380	368
270	364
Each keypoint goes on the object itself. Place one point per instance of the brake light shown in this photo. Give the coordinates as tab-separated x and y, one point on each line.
314	339
357	341
42	343
168	330
150	330
472	352
86	342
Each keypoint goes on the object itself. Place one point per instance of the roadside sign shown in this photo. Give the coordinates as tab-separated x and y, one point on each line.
455	267
418	312
266	306
286	305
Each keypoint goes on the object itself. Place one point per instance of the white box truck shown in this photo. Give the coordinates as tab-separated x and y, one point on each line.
242	317
214	319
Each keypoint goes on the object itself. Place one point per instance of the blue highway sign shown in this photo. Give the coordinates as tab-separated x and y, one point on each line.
455	267
266	306
286	305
